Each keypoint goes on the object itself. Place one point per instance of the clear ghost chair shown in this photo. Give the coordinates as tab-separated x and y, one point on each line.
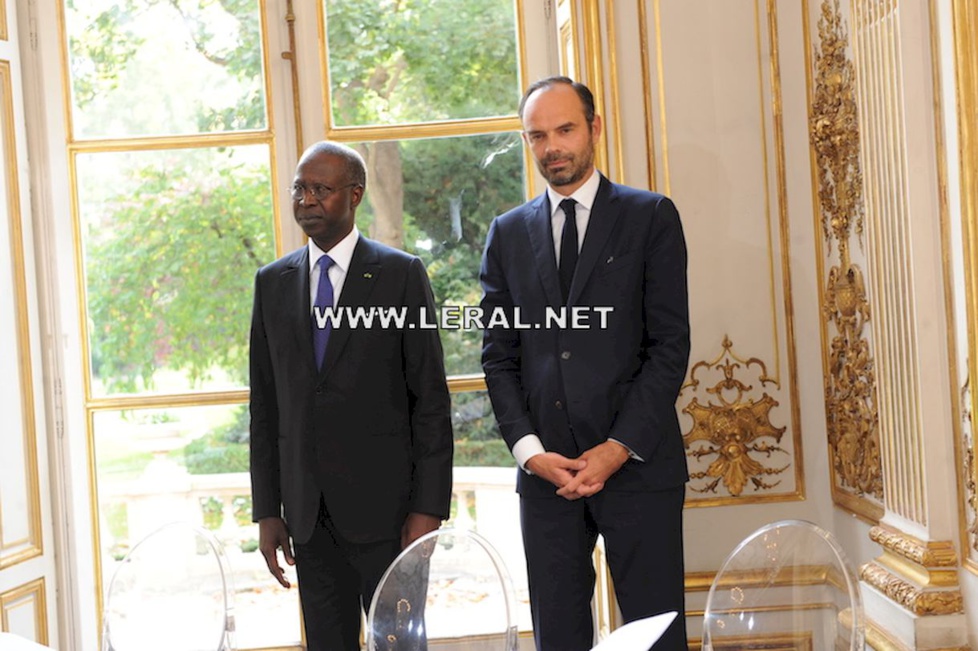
448	585
788	583
172	592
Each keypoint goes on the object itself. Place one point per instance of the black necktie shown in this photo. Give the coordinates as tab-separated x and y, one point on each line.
568	247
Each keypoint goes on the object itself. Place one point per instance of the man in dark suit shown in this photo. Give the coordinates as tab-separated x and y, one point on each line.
589	412
351	441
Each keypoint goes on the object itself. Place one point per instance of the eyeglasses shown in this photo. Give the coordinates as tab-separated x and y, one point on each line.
318	190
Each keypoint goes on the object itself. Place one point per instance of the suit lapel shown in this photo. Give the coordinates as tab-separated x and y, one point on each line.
540	231
295	277
604	216
361	278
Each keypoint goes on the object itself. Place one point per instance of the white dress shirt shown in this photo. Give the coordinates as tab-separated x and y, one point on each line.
584	196
342	255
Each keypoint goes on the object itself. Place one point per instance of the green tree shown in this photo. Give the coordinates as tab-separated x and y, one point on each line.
122	57
170	279
409	61
154	305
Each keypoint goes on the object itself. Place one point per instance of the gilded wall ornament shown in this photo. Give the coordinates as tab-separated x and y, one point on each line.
735	430
850	381
970	487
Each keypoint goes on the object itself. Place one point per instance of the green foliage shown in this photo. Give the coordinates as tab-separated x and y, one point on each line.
171	273
472	417
477	440
250	545
217	460
483	453
242	510
116	515
454	187
222	450
405	61
241	56
97	48
118	56
414	60
171	256
213	512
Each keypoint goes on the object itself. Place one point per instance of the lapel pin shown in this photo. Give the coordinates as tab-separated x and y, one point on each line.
608	261
368	275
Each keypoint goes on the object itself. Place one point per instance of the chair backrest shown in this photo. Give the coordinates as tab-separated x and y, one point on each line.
171	592
788	584
448	584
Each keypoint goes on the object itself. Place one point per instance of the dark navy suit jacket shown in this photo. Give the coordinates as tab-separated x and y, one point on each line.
575	388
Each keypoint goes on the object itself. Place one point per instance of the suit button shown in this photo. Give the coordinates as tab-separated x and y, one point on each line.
565	355
559	405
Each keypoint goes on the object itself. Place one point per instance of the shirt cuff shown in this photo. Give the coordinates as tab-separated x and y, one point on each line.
631	454
528	446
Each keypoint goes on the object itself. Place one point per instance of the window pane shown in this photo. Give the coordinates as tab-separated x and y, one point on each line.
435	198
142	67
484	496
190	464
172	240
394	62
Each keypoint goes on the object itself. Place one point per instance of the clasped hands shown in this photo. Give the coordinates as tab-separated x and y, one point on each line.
583	476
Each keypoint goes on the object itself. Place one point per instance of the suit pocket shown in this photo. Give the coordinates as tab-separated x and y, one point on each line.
618	278
615	263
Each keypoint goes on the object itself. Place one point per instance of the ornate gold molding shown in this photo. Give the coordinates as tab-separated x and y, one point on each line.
879	640
908	595
736	431
850	382
965	21
773	642
931	554
969	481
918	574
32	595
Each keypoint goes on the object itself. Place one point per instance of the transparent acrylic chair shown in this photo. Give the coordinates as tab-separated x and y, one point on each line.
448	584
172	592
787	585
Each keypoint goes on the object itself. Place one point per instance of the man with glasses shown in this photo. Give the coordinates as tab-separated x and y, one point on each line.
351	441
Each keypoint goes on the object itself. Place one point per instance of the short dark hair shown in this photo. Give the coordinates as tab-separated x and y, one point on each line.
587	98
354	167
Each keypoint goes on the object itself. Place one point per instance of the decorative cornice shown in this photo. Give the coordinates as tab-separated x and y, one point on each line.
931	554
911	597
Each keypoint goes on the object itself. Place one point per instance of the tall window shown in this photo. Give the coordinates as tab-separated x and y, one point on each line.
171	152
177	183
426	91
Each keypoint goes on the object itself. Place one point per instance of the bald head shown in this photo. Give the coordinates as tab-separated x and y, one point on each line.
354	168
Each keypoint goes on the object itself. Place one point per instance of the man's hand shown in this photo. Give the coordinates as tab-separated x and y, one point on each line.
417	525
601	462
555	468
272	534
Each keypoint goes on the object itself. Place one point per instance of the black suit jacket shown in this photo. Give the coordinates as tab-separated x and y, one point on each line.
371	431
575	388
